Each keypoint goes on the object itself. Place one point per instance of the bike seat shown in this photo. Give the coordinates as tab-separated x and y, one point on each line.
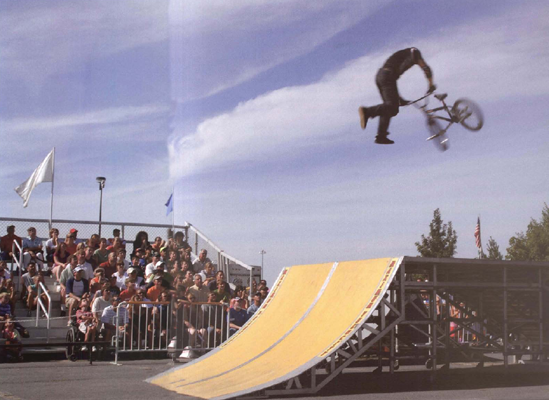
441	96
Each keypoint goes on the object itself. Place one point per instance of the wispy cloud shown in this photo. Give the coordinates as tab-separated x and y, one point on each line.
480	60
108	116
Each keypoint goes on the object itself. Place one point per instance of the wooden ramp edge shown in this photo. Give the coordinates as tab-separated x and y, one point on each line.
312	310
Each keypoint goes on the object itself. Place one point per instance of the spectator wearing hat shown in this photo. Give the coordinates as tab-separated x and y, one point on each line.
6	243
76	288
201	261
237	316
133	275
32	249
101	255
74	233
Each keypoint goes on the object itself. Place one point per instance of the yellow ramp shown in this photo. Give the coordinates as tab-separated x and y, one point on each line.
310	312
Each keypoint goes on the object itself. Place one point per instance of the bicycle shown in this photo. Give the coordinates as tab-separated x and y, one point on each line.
464	111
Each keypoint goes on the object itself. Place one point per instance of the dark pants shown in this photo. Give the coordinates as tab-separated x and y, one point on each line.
386	83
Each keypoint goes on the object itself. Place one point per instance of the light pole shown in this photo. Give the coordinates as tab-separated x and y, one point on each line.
262	252
101	180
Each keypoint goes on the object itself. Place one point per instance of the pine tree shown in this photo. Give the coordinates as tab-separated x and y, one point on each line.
442	239
493	250
534	244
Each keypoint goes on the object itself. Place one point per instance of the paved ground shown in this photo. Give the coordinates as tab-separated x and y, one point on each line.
67	380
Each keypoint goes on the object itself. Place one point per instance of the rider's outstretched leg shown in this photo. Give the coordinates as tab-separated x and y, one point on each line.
386	84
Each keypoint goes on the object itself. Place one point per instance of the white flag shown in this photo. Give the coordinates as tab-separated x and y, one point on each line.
44	173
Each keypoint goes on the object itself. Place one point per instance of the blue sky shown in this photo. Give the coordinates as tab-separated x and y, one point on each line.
249	108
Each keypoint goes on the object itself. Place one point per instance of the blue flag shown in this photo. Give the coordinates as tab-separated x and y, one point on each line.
169	205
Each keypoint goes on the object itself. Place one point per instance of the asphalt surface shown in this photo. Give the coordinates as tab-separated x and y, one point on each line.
67	380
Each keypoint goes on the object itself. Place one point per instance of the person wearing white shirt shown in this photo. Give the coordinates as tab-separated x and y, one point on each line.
120	277
86	266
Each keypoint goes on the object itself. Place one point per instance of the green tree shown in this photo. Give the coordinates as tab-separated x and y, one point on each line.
493	250
534	244
442	239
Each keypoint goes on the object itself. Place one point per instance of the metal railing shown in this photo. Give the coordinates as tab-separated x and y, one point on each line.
169	327
41	307
18	262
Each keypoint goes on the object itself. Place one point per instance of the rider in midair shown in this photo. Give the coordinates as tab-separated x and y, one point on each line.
386	79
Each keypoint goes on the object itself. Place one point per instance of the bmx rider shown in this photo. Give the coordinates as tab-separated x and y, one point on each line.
386	79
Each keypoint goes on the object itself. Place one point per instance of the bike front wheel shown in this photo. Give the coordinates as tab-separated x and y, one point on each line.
468	114
438	137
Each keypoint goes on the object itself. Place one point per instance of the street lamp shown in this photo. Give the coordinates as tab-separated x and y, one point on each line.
262	252
101	180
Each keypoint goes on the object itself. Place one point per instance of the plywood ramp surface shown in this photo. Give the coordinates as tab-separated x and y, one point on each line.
311	311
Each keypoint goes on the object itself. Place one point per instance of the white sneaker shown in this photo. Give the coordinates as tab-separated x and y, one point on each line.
84	348
94	349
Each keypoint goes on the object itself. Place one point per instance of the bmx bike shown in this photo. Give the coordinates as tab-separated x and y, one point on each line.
464	112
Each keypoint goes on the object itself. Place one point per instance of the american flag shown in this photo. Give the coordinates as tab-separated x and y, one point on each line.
477	234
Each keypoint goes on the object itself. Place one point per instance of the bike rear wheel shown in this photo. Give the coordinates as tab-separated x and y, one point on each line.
469	114
438	137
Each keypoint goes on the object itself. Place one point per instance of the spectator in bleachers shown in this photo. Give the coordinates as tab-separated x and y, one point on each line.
98	280
264	291
219	278
179	289
116	245
129	292
86	266
90	258
101	302
32	250
93	242
158	244
108	318
120	276
212	317
86	322
51	246
141	241
175	269
256	303
110	265
32	296
208	273
201	261
70	241
116	234
4	273
8	288
185	255
74	233
237	316
153	293
262	283
192	319
222	293
134	277
188	280
172	259
6	243
180	242
77	288
67	273
151	267
101	255
198	290
122	257
28	279
240	291
160	314
12	337
60	259
186	266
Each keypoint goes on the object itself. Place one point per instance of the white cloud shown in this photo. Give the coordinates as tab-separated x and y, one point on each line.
488	60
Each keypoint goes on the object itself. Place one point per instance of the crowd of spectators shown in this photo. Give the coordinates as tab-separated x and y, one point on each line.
94	275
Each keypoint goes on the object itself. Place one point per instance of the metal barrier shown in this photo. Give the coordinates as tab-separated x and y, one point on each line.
41	307
169	327
18	262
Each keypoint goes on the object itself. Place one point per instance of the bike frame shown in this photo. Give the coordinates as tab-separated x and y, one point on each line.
430	113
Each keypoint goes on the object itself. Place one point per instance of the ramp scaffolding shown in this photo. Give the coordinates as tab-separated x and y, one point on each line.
320	319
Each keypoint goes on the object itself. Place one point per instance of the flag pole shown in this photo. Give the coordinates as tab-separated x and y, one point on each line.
173	210
52	181
479	239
